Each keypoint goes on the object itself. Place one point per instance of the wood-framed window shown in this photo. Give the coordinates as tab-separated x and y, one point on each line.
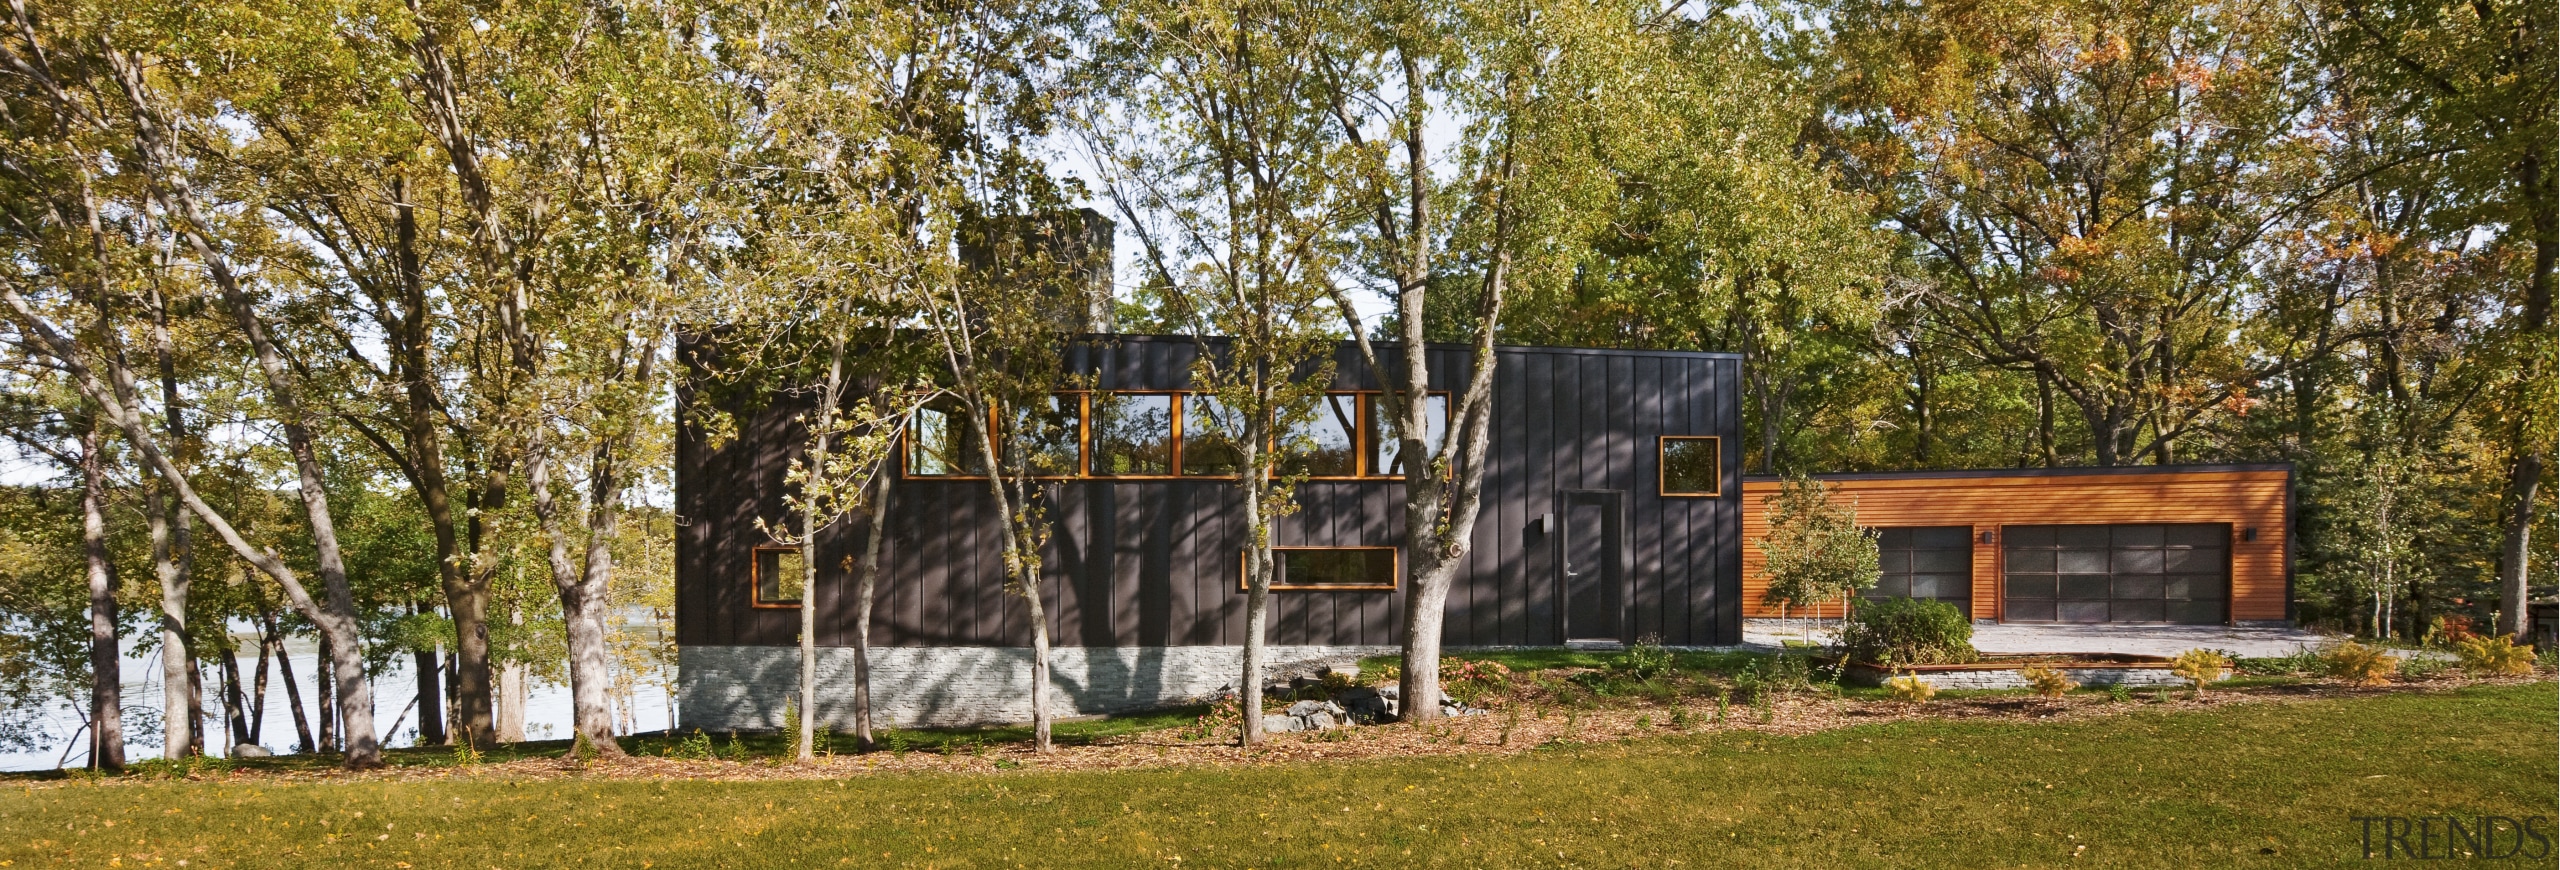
1133	434
777	578
1328	445
1690	465
1383	456
941	443
1052	434
1330	569
1209	446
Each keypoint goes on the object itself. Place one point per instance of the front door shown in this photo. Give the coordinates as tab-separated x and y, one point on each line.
1591	563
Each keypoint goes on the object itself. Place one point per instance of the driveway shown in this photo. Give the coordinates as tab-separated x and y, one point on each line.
2157	640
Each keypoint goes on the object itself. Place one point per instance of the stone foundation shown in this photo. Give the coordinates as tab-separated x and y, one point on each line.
723	688
2008	678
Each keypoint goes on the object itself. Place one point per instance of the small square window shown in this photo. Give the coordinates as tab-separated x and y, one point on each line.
1692	465
1132	434
780	577
1386	454
1051	435
941	443
1322	446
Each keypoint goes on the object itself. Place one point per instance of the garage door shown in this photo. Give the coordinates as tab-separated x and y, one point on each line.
2116	573
1933	562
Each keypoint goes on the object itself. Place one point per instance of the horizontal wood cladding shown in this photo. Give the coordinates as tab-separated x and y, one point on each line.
1154	562
2245	498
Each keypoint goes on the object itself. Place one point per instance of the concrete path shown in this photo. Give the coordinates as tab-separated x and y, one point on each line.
2158	640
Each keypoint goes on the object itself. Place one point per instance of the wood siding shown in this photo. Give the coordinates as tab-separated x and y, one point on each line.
1154	562
2246	497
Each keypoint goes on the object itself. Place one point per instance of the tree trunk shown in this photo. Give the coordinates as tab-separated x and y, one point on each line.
292	687
324	692
863	590
2515	554
1257	576
234	707
106	662
512	694
258	689
812	519
173	561
430	691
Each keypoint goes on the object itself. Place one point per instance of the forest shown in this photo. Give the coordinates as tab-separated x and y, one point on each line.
357	326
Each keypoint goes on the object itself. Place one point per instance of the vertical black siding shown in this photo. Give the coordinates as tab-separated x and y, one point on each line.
1155	562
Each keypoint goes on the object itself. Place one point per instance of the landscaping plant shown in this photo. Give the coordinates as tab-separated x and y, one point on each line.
2361	665
2494	656
1814	552
2201	666
2047	682
1908	631
1909	687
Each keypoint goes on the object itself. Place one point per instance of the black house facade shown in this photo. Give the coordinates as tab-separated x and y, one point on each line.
1612	512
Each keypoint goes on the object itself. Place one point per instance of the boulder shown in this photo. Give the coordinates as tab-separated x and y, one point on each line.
250	750
1322	722
1279	724
1307	708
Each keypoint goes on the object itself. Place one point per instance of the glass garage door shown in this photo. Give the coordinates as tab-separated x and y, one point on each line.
2118	573
1925	562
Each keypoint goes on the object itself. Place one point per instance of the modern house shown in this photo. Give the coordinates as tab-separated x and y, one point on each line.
2190	544
1613	511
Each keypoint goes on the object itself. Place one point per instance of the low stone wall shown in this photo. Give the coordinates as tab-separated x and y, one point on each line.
2008	678
721	688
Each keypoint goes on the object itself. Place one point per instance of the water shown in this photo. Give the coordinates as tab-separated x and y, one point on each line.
546	715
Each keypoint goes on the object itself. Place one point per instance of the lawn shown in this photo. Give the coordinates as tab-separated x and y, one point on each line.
2248	784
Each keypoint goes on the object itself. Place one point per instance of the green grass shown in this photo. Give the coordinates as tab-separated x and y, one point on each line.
2240	785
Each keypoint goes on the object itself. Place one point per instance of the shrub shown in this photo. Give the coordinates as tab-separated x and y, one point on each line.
2454	628
1908	631
2201	666
2361	665
1644	661
2494	656
2047	682
2423	667
1909	687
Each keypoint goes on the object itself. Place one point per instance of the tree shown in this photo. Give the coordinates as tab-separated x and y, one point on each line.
1814	552
1229	192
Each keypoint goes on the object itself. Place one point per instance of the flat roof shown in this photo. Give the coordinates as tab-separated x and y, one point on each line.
2068	471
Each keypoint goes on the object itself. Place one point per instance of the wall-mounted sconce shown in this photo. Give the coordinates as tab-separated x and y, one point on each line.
1987	537
2249	534
1545	523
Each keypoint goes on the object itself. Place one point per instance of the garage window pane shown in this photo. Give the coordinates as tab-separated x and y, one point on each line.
2085	586
2031	561
2031	586
2137	562
2081	561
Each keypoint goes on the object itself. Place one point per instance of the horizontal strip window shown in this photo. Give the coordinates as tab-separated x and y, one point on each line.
1144	435
1690	465
780	578
1330	569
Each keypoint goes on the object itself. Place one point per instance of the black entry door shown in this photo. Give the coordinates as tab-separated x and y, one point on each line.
1591	563
2117	573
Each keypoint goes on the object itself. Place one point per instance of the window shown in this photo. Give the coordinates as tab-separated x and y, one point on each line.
1934	562
1052	433
1692	464
1385	454
780	577
1329	569
1324	446
1132	434
1209	433
941	443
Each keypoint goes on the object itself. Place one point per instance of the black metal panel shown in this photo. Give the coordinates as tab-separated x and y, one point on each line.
1155	562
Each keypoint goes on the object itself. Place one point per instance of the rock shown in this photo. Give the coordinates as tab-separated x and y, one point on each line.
1306	708
1390	691
1278	724
1322	722
250	750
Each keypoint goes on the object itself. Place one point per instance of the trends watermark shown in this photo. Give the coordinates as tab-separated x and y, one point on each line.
2442	837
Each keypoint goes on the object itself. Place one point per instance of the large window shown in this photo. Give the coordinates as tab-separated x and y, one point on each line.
1692	464
1052	434
780	577
1209	431
1330	569
941	443
1386	455
1132	434
1325	445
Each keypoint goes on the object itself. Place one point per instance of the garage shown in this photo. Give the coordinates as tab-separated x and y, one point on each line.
2175	573
1933	562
